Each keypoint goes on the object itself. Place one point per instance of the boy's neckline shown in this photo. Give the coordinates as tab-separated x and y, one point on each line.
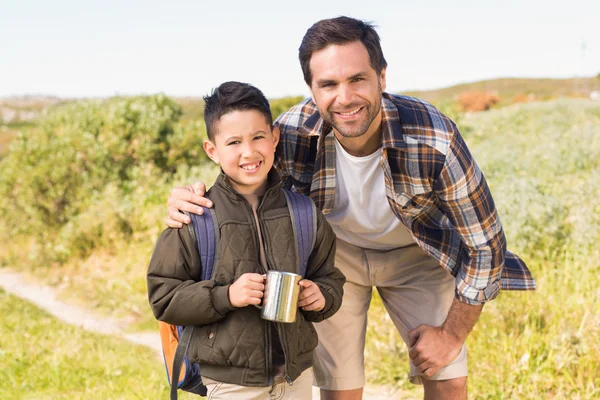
252	199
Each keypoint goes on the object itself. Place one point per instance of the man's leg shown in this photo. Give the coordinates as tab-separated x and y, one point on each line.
353	394
450	389
415	290
339	362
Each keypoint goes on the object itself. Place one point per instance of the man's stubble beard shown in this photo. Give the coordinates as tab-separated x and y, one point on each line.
372	112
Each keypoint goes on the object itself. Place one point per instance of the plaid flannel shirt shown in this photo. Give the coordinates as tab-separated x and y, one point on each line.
433	186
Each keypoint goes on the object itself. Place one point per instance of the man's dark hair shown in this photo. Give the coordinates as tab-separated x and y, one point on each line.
339	31
233	96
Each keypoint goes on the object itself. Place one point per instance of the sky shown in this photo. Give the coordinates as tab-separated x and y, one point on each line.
186	48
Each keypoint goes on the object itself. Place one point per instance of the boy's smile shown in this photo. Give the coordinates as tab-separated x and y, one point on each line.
244	146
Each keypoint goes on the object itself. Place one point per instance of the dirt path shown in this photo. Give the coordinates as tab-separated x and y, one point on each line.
45	298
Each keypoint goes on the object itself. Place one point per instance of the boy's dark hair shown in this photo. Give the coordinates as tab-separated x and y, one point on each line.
339	31
233	96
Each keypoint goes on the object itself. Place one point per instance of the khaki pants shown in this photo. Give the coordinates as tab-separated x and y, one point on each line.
301	389
414	289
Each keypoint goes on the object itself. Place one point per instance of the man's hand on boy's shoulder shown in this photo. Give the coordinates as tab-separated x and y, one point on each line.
186	198
310	298
247	289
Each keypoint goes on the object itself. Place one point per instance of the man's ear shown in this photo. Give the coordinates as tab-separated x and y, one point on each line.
382	80
276	135
311	91
211	151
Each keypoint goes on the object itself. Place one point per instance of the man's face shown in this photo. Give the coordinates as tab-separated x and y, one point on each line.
346	88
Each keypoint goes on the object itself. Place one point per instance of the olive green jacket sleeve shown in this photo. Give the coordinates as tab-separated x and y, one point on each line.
321	270
176	293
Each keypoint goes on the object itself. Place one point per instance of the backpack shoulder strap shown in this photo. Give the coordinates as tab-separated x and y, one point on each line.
205	229
304	224
180	353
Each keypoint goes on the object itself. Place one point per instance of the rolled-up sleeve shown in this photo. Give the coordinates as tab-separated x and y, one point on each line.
467	202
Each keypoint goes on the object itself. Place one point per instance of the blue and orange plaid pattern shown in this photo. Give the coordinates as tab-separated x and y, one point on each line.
433	186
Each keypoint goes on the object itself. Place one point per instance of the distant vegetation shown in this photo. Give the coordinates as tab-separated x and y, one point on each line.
84	191
514	90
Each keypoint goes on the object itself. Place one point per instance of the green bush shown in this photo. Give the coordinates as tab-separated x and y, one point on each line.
279	106
76	182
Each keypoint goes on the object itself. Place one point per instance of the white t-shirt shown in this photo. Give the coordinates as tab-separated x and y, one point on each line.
361	214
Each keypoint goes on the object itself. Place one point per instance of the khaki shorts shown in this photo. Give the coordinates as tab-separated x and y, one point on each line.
414	289
301	389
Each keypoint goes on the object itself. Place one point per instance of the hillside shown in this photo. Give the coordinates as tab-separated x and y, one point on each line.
514	90
20	113
95	207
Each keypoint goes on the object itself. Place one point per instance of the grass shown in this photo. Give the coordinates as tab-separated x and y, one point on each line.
9	131
542	162
42	358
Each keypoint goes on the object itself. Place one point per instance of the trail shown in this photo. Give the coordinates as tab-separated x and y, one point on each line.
46	298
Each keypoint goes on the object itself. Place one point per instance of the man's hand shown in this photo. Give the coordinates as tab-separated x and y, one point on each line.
432	348
247	289
186	198
310	298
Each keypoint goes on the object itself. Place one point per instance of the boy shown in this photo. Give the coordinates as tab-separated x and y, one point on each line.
242	356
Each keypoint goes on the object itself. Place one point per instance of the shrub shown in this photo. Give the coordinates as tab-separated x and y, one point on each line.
74	183
279	106
477	101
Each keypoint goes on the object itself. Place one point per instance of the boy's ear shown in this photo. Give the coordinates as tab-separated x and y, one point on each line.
211	151
276	135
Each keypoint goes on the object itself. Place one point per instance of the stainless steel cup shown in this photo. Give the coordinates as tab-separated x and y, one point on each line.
280	300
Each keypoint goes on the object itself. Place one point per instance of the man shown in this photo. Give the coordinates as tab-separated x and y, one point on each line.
404	196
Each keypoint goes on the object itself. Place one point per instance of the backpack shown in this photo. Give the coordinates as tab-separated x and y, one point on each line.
205	228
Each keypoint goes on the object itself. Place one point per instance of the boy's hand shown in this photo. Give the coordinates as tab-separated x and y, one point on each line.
247	289
185	198
310	298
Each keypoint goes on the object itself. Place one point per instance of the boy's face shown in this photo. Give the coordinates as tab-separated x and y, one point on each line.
244	145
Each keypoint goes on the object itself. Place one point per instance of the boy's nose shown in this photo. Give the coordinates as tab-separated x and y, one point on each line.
248	149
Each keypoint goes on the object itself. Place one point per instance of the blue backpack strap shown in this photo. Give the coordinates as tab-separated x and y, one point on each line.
179	359
204	229
304	224
206	232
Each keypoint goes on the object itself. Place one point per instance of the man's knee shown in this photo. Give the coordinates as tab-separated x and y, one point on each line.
449	389
353	394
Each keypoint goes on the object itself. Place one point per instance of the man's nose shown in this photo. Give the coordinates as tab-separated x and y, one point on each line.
344	96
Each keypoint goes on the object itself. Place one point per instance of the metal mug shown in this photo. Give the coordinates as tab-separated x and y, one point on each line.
280	300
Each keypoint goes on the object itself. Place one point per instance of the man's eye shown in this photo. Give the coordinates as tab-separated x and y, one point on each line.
357	79
259	137
327	85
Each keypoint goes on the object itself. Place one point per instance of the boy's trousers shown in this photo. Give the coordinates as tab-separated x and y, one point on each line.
301	389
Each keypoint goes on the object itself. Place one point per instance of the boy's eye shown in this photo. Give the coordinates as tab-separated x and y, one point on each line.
233	142
259	137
